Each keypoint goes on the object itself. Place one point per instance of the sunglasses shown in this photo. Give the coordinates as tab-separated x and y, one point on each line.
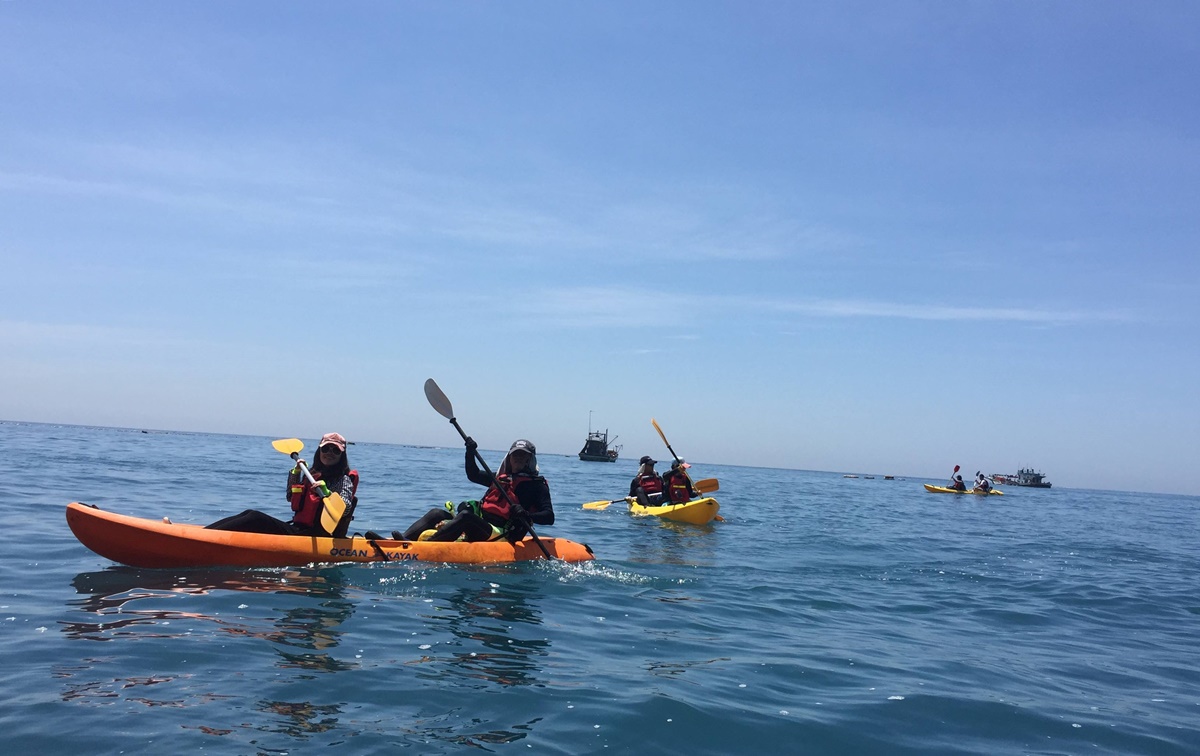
330	450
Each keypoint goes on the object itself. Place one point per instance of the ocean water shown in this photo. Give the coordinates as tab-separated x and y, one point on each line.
826	615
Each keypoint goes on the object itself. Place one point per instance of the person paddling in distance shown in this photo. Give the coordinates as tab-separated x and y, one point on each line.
647	486
678	483
493	517
331	469
982	484
957	484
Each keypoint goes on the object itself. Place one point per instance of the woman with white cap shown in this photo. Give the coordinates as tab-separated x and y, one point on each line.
647	487
330	466
517	494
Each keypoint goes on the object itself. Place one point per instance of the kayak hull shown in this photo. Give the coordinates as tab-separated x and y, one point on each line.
943	489
695	512
140	542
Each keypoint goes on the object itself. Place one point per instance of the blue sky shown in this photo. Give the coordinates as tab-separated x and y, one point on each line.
872	237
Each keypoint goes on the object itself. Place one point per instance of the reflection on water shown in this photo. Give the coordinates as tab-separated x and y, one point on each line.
129	605
301	718
658	541
486	625
485	619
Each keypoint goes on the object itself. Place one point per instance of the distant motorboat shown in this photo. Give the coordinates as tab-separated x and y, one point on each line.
598	447
1024	477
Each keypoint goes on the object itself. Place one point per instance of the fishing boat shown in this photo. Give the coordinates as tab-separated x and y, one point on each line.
141	542
1030	479
1025	477
598	447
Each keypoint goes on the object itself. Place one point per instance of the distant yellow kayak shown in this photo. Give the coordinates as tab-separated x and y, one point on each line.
695	512
943	489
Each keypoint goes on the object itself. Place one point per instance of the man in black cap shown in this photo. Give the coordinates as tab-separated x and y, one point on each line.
647	486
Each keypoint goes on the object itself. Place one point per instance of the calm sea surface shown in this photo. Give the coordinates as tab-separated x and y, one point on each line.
826	615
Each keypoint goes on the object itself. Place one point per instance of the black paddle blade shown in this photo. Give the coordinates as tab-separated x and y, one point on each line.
438	400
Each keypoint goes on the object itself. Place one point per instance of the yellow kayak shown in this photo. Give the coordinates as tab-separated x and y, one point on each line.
943	489
695	512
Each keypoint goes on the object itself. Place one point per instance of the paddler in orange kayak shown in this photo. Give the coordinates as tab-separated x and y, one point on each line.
493	517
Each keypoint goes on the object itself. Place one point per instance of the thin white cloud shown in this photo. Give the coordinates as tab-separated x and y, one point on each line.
604	307
854	308
300	188
624	307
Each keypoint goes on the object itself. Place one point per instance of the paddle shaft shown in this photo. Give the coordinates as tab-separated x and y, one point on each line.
304	469
438	400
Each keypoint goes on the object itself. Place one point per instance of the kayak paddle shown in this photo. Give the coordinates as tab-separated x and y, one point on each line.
335	505
707	485
439	401
663	436
601	504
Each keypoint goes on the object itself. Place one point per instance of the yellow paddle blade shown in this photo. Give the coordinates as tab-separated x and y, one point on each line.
288	446
660	433
598	504
707	485
331	513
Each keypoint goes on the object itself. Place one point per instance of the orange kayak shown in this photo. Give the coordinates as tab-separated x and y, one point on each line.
139	542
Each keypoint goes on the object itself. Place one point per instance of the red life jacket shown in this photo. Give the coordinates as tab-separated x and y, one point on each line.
677	488
650	483
307	501
494	501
